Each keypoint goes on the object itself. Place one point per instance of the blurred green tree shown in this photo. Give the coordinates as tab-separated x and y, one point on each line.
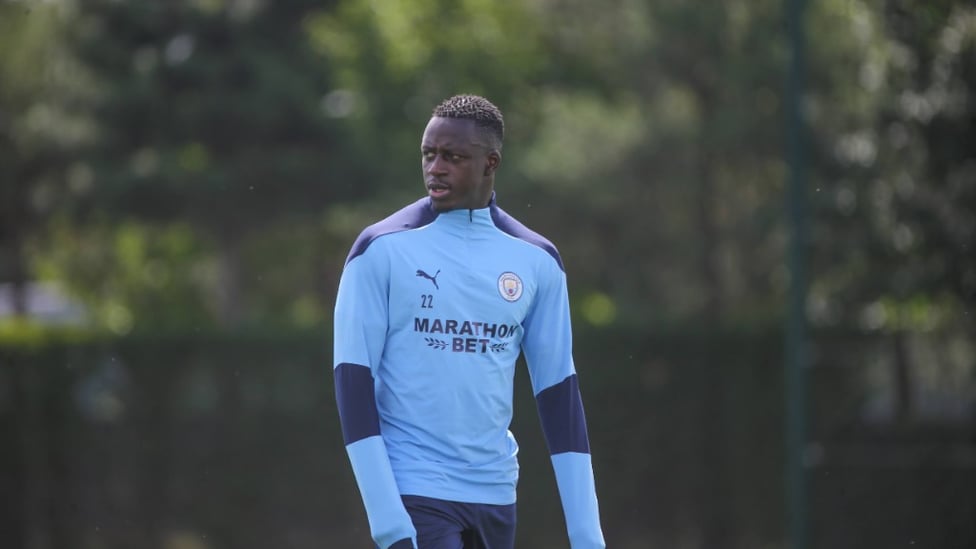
897	186
41	124
213	114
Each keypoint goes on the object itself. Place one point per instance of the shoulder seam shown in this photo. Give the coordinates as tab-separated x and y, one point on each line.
412	216
512	227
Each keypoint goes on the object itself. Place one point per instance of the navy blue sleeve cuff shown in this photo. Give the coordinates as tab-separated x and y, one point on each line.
356	399
563	420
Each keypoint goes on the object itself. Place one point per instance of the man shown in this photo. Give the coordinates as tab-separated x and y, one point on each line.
434	305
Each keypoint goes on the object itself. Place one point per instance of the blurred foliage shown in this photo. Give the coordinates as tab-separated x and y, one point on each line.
130	275
896	170
193	173
208	162
42	129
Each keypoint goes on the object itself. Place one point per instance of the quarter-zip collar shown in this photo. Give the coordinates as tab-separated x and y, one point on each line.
467	219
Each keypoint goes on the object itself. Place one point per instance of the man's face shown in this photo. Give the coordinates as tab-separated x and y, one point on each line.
458	165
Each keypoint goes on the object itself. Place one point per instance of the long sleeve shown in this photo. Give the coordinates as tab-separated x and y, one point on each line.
547	345
361	314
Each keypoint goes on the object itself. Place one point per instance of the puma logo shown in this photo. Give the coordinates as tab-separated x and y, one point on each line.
433	279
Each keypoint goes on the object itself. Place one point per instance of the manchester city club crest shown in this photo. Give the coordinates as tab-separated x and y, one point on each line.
510	286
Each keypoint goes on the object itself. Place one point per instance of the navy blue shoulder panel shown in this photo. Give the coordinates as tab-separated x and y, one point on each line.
513	227
409	217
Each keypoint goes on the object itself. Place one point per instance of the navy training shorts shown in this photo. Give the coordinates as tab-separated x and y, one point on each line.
444	524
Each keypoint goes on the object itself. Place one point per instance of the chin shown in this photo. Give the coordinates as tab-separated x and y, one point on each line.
442	205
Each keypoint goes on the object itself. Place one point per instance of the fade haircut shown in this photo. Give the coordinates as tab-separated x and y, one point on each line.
487	118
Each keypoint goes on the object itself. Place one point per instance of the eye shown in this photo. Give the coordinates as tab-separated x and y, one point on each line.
455	157
428	156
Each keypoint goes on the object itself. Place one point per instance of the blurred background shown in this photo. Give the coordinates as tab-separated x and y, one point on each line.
180	182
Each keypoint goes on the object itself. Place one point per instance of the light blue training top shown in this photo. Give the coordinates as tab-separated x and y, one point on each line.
431	315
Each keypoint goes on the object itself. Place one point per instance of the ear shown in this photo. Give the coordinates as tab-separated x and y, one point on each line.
492	161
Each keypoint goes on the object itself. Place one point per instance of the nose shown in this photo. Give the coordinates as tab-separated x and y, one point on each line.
436	166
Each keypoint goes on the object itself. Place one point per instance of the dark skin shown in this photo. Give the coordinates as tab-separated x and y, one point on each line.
458	164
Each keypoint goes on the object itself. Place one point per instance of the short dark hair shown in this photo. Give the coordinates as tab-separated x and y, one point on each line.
487	117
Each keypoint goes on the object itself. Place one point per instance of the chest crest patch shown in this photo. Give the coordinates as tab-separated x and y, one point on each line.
510	286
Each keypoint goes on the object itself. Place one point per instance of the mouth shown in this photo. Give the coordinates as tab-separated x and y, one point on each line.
436	189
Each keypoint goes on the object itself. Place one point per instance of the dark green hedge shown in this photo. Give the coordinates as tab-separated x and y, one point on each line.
233	442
